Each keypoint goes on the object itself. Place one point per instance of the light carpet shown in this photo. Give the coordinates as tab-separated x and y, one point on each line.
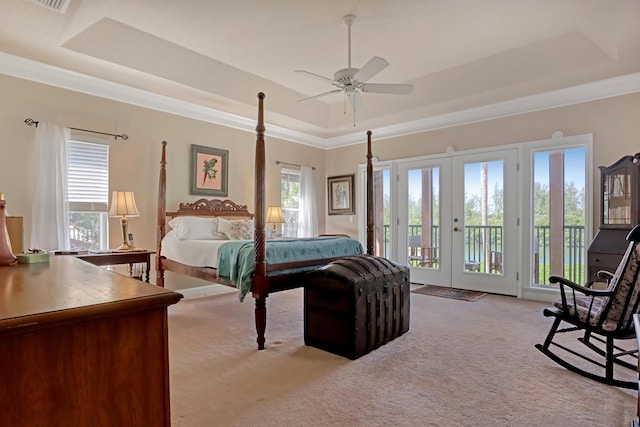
460	364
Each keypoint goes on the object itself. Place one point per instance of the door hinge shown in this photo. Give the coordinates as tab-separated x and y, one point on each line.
517	276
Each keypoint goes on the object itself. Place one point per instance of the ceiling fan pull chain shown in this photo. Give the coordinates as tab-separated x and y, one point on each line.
349	22
354	114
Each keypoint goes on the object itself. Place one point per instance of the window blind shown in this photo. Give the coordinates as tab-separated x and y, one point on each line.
88	176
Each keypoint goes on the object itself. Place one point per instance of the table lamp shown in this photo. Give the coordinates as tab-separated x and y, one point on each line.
123	205
274	216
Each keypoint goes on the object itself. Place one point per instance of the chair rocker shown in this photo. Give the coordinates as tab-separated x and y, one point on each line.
604	315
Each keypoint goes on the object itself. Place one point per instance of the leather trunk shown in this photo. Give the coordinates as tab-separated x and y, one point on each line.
356	304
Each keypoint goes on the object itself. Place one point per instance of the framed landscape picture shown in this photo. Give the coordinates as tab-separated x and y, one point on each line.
341	195
209	171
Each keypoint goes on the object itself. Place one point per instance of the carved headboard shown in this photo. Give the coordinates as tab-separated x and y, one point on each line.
213	208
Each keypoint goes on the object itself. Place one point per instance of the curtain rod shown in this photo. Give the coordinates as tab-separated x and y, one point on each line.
124	136
292	164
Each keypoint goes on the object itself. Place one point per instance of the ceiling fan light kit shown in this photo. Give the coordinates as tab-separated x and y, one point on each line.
353	81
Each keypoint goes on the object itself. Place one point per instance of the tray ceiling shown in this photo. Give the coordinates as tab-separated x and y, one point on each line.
460	55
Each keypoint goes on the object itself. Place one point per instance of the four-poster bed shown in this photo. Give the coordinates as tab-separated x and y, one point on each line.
265	276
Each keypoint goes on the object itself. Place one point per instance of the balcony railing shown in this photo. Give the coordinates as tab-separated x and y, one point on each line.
482	240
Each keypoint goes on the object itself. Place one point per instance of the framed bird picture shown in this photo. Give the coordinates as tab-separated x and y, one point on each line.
209	171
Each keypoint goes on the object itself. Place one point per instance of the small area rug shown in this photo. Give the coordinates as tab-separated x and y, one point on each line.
441	291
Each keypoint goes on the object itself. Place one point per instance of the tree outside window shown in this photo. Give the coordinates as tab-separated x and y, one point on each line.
290	200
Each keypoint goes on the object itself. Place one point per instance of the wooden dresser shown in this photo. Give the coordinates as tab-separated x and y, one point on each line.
82	346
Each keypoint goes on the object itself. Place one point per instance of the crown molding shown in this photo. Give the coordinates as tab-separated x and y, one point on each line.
601	89
27	69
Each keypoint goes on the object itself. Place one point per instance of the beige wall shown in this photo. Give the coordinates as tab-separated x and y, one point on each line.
614	123
134	164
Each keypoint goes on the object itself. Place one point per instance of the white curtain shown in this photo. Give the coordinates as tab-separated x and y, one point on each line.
307	216
49	208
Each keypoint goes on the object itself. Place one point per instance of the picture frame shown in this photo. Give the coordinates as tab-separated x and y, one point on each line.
340	190
209	171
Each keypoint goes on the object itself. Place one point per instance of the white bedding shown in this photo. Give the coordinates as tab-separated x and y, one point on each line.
197	253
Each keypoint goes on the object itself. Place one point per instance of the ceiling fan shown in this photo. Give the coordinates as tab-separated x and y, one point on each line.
353	81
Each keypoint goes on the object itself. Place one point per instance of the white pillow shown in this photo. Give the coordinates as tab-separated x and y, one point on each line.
240	229
218	235
195	228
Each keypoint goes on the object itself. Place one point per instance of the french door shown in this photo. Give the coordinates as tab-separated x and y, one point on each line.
457	221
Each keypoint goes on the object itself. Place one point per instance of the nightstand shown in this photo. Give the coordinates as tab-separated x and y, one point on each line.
128	257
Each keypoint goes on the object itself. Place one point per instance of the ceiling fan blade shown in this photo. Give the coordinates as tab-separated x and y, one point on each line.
355	99
370	69
321	95
393	89
315	76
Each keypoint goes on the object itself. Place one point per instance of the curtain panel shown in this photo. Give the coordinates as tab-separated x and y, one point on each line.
49	209
308	216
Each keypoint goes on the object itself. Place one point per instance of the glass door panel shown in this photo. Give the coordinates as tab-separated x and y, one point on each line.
616	197
382	213
483	217
485	222
423	217
423	214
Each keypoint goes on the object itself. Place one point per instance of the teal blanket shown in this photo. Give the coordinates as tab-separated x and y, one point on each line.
236	260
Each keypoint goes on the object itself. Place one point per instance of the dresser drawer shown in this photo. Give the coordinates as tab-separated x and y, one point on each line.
602	261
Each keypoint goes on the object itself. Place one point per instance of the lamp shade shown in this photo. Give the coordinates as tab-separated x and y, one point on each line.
274	215
123	203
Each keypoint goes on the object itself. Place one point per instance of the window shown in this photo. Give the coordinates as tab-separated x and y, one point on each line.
88	194
559	213
290	200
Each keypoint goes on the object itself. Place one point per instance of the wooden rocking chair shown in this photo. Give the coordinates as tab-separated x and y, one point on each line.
604	315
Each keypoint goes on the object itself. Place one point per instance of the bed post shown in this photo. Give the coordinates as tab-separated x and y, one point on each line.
162	212
259	285
369	196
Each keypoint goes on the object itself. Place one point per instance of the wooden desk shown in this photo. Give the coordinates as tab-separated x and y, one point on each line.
79	345
114	258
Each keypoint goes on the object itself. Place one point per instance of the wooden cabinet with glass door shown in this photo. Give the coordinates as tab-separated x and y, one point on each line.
619	213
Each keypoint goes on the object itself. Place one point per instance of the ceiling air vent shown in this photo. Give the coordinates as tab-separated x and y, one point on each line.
57	5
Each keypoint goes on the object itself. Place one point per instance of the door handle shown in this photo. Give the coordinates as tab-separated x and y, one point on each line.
456	229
